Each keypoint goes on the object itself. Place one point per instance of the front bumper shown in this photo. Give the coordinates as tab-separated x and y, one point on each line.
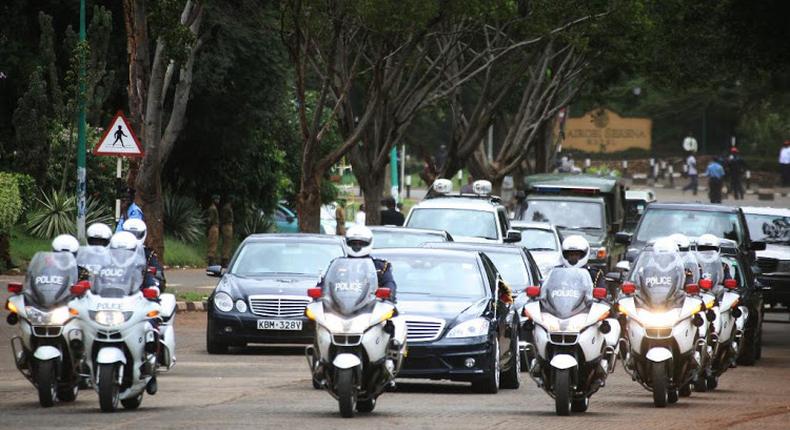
447	360
238	328
776	287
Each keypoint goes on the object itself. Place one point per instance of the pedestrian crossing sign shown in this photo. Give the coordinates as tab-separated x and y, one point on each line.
119	140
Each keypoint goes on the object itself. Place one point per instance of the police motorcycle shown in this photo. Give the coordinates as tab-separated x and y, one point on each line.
119	339
358	349
44	351
574	340
662	342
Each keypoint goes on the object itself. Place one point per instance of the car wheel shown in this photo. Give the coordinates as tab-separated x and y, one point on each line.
511	378
214	346
752	349
489	383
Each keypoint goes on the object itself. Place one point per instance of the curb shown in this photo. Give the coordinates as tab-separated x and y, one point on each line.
190	307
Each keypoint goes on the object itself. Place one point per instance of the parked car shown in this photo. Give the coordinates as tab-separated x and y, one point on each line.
543	242
478	217
263	295
285	220
591	206
635	203
402	237
459	328
772	225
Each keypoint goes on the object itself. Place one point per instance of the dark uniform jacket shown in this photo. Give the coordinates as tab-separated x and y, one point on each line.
150	280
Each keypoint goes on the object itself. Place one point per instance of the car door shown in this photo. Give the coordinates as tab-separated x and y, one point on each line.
503	311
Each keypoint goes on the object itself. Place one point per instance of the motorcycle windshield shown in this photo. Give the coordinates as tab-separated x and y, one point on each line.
659	278
691	266
49	277
710	262
93	258
121	276
351	284
566	292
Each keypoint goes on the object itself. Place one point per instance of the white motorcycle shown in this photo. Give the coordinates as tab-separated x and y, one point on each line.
118	331
662	336
574	340
359	342
42	350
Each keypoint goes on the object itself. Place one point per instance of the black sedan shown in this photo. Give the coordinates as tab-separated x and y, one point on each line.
751	293
459	328
402	237
262	297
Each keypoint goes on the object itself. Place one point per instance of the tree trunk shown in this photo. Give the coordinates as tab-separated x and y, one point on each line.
541	149
149	194
372	185
308	204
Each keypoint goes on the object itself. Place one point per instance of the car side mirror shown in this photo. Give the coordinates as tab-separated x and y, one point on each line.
623	265
623	237
757	245
513	236
214	271
290	219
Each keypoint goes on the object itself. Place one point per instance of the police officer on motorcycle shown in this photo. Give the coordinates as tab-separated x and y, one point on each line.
359	244
99	234
576	253
65	243
138	228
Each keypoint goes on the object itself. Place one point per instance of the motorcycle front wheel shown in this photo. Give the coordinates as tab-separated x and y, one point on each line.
660	396
346	396
46	382
562	392
108	387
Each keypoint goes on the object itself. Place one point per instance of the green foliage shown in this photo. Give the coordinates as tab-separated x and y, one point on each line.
183	218
55	213
185	254
254	220
10	201
32	123
27	189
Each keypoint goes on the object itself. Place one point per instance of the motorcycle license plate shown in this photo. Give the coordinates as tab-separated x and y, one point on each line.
291	325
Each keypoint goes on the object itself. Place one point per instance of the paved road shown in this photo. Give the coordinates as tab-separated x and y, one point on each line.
269	387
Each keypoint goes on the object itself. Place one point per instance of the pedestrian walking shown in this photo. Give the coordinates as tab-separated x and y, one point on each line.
359	218
691	171
226	218
715	173
129	209
736	167
784	163
213	231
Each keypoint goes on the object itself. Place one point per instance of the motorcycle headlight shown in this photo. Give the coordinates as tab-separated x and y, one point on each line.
577	323
550	322
657	319
472	328
57	316
223	302
111	318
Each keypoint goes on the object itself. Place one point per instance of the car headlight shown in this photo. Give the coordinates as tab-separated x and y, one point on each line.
223	302
241	306
57	316
472	328
111	318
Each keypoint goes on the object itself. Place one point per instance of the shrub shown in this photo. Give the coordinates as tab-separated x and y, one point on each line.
183	218
55	213
255	221
10	201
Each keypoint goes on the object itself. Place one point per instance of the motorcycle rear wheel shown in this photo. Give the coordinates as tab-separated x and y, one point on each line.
562	392
346	397
660	395
108	387
68	394
46	381
581	404
133	402
366	406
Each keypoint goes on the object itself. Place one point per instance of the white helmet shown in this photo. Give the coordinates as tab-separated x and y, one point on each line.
665	254
99	234
123	240
683	243
575	243
65	243
137	228
708	242
359	241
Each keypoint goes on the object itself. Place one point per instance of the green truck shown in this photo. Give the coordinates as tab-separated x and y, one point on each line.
590	206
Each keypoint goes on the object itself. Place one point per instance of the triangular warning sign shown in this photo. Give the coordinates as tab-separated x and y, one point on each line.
119	140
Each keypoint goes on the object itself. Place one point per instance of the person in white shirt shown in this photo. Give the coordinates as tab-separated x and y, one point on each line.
784	163
359	218
691	171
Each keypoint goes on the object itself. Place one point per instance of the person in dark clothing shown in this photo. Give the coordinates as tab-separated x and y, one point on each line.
715	174
391	216
736	167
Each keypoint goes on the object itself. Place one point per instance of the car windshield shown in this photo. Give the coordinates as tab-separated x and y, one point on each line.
658	223
565	213
769	228
430	277
457	222
659	278
511	266
269	257
48	278
351	284
536	239
396	239
566	292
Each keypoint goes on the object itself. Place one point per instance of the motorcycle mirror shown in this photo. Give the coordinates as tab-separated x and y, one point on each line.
383	293
14	287
532	291
692	289
730	284
705	284
314	293
599	293
80	288
150	293
628	288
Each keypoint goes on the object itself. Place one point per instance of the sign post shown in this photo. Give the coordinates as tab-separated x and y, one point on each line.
81	173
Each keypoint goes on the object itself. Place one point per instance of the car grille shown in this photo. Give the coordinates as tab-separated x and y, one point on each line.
47	331
563	338
658	333
767	265
279	306
423	329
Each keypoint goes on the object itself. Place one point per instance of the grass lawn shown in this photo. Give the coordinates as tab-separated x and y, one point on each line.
24	246
190	296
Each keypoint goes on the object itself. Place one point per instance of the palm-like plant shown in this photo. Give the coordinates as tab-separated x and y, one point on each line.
55	214
183	218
